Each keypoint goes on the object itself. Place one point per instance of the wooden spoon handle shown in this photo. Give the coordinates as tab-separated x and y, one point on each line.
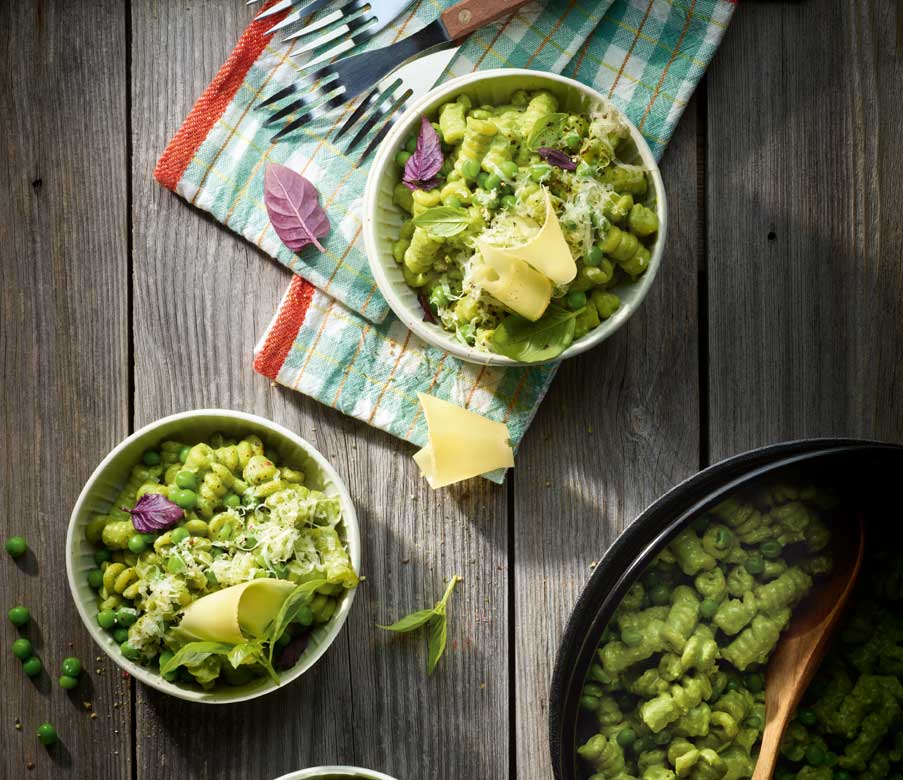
469	15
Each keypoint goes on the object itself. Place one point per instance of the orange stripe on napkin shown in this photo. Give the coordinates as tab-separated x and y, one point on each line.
213	103
292	311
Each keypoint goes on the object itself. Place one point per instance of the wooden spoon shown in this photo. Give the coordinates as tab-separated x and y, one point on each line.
803	645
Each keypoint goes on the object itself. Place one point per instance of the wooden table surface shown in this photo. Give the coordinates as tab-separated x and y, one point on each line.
778	314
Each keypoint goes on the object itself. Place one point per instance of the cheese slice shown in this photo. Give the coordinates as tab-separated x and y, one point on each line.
511	281
547	251
462	444
221	616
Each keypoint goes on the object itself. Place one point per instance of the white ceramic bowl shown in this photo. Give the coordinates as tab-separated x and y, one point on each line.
190	427
382	218
324	772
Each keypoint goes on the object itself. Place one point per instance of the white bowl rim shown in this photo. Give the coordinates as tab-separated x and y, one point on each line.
434	335
316	771
218	695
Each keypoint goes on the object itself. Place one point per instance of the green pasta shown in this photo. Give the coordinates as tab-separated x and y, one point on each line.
676	689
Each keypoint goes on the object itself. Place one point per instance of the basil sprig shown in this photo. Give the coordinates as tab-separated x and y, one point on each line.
530	342
445	221
437	620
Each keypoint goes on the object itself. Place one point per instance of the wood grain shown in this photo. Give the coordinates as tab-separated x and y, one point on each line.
202	298
619	427
64	375
805	244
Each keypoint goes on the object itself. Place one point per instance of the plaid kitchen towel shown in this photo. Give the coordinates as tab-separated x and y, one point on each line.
332	336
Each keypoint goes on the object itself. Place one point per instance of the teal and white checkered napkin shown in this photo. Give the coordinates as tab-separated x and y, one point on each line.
333	336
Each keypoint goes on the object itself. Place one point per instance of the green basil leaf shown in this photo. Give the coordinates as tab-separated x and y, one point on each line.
289	609
411	622
194	653
438	638
245	650
530	342
445	221
546	131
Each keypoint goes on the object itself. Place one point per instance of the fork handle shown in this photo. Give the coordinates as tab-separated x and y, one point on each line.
469	15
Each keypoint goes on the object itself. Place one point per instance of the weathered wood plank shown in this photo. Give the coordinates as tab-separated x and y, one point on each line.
619	427
804	262
64	374
202	298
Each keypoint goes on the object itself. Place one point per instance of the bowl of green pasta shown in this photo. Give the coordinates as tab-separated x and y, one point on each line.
335	773
513	217
214	555
662	668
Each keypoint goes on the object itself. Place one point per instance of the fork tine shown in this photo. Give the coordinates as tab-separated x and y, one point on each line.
274	9
277	96
371	123
351	9
313	113
346	29
364	107
308	103
305	10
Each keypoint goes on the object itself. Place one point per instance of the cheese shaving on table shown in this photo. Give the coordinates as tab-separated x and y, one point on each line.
462	444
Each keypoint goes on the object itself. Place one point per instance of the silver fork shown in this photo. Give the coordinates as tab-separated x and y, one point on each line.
333	84
390	97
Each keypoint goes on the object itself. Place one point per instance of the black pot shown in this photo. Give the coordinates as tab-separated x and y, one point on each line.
863	472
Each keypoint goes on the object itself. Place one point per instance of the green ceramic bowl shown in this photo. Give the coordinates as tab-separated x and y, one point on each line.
108	479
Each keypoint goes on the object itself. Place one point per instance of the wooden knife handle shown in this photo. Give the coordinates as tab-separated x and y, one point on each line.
469	15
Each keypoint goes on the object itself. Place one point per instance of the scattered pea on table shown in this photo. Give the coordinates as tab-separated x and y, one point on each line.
19	616
22	649
33	666
47	735
16	546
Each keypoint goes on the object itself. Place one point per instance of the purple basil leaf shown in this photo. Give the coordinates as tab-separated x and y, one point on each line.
423	166
290	654
557	157
293	204
153	512
427	312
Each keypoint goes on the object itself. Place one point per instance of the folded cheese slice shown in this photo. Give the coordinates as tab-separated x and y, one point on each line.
221	616
512	282
547	251
462	444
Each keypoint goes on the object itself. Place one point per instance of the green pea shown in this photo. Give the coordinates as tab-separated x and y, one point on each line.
660	595
732	685
492	203
539	171
183	454
67	682
470	169
807	717
22	649
644	744
106	618
129	651
33	666
755	682
151	458
249	500
663	737
842	774
589	703
509	202
137	544
47	735
626	737
572	141
16	546
411	144
179	534
509	169
187	499
120	635
755	565
492	181
631	637
95	579
401	159
175	564
585	169
708	608
771	549
126	616
283	641
102	555
482	176
187	479
305	616
594	257
232	501
815	756
830	758
19	616
575	300
454	201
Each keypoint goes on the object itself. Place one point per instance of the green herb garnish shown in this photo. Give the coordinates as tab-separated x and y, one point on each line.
531	342
445	221
436	618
